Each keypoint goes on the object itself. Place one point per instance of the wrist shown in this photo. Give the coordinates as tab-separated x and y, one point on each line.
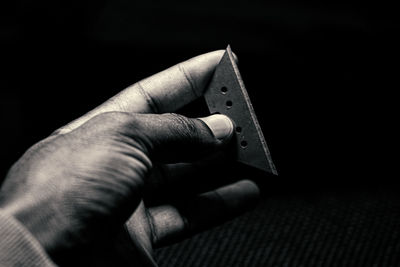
19	245
42	221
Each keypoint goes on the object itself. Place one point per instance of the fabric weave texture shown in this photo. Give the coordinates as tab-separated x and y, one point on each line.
358	229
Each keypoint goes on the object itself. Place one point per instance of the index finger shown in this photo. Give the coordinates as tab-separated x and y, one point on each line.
166	91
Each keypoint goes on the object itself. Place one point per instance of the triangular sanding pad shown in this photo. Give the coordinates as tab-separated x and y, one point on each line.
227	95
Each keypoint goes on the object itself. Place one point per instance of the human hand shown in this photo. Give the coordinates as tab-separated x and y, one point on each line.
88	192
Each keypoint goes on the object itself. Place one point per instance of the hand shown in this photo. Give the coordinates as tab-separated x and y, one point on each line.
103	189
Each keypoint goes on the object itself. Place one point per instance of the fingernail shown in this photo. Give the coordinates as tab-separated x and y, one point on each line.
220	125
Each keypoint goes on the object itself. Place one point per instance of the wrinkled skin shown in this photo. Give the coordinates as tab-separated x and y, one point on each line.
82	191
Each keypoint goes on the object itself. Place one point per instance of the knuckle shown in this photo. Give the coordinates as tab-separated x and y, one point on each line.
183	126
112	120
106	127
111	116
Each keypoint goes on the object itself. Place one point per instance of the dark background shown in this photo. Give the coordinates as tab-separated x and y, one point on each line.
322	77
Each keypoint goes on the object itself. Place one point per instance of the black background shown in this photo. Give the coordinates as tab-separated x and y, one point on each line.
322	77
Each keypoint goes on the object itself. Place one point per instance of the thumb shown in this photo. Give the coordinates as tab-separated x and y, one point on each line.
172	137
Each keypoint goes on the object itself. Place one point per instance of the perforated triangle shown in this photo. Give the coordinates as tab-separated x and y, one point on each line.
227	95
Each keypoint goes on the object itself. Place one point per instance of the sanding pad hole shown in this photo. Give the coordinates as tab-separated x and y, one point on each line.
243	144
238	129
229	104
224	90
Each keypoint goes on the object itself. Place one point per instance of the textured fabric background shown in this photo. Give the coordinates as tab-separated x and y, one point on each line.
360	229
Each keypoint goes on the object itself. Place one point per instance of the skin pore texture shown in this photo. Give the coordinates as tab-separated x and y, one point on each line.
87	192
